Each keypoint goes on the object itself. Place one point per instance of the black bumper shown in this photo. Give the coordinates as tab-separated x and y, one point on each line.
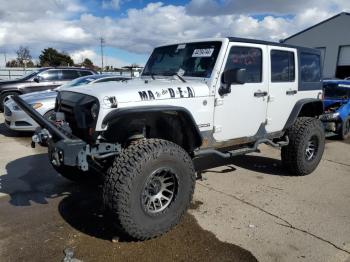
64	148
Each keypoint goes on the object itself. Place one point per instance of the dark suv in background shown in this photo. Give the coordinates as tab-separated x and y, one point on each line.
39	80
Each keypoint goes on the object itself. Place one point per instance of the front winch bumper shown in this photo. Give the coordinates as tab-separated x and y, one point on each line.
65	148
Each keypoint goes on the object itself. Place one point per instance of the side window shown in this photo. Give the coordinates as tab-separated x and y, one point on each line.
310	67
50	75
85	73
69	74
282	66
249	58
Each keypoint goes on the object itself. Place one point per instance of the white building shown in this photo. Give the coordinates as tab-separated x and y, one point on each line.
332	37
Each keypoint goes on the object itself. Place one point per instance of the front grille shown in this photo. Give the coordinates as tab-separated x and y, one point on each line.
77	110
7	111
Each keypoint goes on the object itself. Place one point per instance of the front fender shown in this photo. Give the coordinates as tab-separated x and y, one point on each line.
162	119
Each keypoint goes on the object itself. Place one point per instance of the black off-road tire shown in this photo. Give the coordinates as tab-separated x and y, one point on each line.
294	157
125	184
3	96
344	132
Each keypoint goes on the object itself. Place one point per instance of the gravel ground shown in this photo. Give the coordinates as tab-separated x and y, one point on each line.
245	209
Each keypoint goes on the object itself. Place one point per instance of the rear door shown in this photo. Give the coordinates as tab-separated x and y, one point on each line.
283	86
242	112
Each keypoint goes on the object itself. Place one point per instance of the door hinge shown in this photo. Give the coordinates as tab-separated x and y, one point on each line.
217	129
219	102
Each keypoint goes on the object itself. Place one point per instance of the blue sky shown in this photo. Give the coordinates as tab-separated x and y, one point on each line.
133	28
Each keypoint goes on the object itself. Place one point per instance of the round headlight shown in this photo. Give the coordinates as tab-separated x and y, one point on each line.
94	111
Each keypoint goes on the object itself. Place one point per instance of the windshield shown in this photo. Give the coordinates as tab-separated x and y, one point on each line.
193	60
77	82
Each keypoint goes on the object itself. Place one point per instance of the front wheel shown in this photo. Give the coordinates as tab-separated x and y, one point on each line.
149	187
344	132
306	145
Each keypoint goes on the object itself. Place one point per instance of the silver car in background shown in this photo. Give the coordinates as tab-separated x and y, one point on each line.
44	102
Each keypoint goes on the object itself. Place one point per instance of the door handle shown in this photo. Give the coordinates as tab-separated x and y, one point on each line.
260	94
291	92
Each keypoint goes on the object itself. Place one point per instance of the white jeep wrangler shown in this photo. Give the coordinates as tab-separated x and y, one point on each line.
215	96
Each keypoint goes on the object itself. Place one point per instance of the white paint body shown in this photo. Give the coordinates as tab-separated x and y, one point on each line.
235	115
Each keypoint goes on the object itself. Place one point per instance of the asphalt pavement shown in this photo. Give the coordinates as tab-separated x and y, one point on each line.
245	209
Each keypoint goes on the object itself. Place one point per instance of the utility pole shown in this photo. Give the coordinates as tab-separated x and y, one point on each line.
102	42
5	57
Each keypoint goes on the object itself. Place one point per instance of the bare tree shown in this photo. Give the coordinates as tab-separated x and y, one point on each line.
23	56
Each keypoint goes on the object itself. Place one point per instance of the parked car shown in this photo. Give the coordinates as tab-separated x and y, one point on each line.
40	80
44	102
337	107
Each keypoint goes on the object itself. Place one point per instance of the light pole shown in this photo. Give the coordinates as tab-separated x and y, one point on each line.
102	42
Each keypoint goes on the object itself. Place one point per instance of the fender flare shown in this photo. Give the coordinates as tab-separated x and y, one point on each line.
151	112
316	109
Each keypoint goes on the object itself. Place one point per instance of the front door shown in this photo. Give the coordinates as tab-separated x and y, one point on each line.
48	79
242	112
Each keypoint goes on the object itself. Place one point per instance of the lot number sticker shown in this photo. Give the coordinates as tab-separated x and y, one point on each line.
205	52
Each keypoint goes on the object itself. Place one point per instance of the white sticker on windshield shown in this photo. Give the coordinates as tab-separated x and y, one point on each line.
181	46
205	52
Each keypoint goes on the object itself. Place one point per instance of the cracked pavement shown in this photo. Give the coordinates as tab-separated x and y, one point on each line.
252	202
248	202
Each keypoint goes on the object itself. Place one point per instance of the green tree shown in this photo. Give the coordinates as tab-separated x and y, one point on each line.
51	57
87	63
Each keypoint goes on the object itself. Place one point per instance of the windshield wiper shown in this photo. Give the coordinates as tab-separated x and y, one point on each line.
180	77
176	74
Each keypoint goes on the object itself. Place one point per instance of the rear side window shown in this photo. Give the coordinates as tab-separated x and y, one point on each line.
69	74
249	58
85	73
310	67
282	66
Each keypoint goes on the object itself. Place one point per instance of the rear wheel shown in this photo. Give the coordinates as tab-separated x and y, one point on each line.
344	132
306	146
149	187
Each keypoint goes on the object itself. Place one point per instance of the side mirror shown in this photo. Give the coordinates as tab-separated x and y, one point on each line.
234	76
36	79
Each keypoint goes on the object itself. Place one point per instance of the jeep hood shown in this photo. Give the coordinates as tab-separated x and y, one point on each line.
138	89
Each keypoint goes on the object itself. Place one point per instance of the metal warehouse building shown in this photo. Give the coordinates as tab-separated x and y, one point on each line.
332	38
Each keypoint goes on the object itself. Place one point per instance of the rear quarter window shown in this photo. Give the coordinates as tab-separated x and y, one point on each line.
310	67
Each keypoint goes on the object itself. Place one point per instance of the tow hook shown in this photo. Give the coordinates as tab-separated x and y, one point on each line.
40	136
